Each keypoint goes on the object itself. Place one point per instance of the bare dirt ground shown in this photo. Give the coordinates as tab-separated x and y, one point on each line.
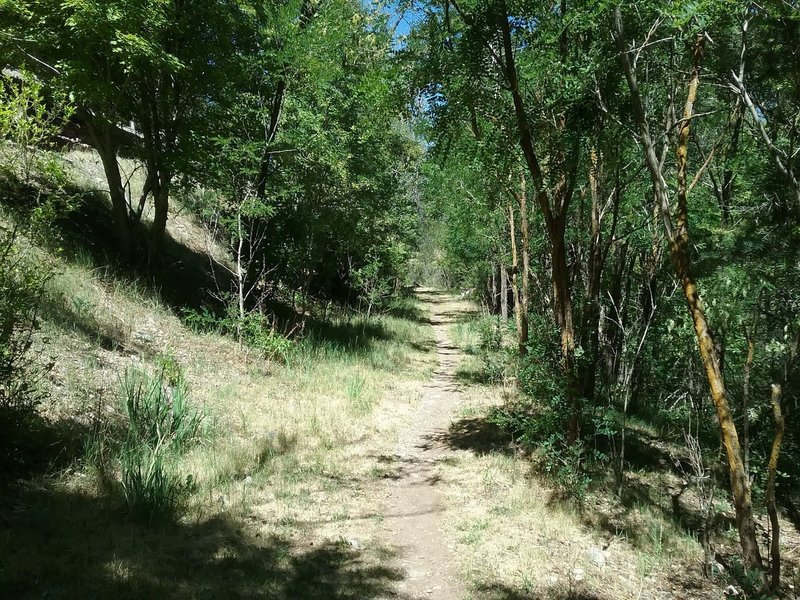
415	507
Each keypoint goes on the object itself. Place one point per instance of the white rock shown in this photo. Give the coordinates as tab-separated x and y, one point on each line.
596	556
578	574
354	543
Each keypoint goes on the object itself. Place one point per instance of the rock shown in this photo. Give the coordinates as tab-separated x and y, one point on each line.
596	556
731	592
354	543
578	574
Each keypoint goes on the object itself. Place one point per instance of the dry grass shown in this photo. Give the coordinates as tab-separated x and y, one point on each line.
518	540
285	503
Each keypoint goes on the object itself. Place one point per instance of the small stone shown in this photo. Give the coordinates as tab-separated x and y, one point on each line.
596	556
354	543
578	574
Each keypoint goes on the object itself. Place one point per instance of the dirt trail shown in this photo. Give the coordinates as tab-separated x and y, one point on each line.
415	507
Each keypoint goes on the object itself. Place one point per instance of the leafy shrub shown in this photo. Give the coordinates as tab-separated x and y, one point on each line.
539	421
254	329
372	285
30	120
21	285
490	349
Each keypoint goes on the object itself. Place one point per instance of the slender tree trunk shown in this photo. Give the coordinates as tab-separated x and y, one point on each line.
591	315
748	367
729	175
678	238
526	266
103	141
503	292
512	229
493	290
772	470
161	205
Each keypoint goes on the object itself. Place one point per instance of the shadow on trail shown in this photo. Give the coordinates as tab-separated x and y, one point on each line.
502	592
476	434
64	544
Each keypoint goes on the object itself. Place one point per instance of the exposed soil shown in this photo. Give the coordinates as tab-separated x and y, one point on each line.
414	516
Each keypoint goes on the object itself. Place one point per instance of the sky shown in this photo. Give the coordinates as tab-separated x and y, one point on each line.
402	19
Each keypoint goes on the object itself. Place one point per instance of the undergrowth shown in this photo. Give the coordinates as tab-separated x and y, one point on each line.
160	426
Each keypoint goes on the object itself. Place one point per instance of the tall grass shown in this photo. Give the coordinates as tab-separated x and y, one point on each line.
159	414
160	426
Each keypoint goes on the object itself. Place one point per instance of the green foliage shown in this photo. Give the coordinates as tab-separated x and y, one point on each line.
153	490
30	121
22	281
494	358
373	287
158	410
161	425
254	329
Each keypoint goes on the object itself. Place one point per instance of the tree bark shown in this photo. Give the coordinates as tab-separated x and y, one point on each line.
161	190
503	292
591	316
748	367
522	347
772	471
102	137
678	237
526	265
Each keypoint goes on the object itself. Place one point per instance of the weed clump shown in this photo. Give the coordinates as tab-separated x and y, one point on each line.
21	285
160	426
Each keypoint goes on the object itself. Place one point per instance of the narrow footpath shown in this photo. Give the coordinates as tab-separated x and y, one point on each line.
415	506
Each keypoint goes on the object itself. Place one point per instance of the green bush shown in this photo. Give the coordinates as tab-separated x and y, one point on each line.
21	286
490	349
254	329
30	121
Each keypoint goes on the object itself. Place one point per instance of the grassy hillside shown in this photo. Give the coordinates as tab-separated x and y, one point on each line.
272	474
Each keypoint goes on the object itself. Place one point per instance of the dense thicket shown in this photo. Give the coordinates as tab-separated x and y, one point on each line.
279	123
609	168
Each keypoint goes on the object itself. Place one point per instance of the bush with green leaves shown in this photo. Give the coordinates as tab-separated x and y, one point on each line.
371	283
254	329
29	120
493	356
21	285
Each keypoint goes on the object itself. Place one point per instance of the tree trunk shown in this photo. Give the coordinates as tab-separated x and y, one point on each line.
591	316
521	345
526	266
161	205
748	367
103	141
678	238
494	294
503	292
772	470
